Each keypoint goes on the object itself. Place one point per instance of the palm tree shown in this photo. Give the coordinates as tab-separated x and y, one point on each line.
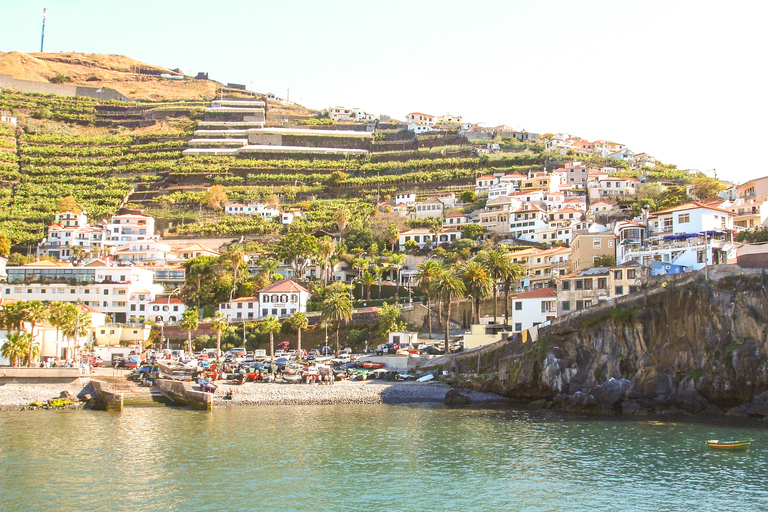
496	265
397	260
57	316
511	276
337	308
219	323
368	279
189	322
16	347
427	271
477	283
298	321
271	325
327	248
378	271
237	257
268	267
392	235
78	324
35	312
448	287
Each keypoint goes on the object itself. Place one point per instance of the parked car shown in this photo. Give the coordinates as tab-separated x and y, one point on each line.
97	362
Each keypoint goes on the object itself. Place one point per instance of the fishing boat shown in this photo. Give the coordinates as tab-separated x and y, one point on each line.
291	378
732	445
206	385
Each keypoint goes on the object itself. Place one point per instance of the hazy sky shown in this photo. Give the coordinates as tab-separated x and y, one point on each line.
683	80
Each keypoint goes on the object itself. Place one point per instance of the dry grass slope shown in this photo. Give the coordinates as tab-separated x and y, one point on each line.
127	75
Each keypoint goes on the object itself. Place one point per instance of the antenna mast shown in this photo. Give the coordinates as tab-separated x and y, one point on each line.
42	36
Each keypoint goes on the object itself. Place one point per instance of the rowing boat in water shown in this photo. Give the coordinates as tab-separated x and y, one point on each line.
733	445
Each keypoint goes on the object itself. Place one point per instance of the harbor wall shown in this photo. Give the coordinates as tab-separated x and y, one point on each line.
106	399
10	375
183	393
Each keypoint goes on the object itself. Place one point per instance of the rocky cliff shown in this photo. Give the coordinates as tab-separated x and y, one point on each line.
686	342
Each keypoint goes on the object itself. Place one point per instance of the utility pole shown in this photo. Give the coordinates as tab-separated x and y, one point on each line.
42	36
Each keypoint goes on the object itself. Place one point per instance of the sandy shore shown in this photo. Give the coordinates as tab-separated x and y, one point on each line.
19	396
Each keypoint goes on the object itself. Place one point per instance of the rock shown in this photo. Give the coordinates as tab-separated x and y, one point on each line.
66	395
737	412
630	407
85	397
538	404
456	396
611	392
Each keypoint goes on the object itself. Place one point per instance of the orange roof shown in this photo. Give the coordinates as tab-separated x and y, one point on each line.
689	206
540	293
486	177
420	114
284	285
166	300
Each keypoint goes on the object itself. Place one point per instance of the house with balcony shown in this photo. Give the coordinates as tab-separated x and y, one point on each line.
195	250
281	299
545	265
425	237
754	189
455	220
252	209
610	186
527	220
432	207
533	308
483	184
590	244
108	290
165	309
419	118
144	252
126	228
588	287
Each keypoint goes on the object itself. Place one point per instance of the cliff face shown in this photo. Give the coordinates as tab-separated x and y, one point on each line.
690	345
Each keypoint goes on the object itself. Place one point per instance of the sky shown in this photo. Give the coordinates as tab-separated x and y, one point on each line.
682	80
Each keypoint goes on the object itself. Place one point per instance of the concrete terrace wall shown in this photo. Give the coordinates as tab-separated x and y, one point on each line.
8	82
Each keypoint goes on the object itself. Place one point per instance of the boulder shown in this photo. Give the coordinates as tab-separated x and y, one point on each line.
456	396
66	395
630	407
611	392
538	404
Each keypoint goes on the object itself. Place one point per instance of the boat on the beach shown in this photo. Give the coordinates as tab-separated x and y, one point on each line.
291	378
732	445
207	386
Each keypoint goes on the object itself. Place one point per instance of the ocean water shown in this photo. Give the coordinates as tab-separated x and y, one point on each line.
374	457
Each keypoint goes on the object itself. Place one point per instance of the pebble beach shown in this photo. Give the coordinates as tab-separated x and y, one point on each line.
19	396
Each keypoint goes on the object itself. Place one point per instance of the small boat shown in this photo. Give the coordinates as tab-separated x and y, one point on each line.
291	378
207	385
732	445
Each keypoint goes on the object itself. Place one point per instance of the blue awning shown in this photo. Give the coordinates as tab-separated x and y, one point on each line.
683	236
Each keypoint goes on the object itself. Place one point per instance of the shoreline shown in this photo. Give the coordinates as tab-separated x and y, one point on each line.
15	397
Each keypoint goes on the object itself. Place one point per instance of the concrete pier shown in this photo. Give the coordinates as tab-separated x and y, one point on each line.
182	393
106	399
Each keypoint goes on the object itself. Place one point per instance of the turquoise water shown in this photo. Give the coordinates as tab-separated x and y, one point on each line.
373	457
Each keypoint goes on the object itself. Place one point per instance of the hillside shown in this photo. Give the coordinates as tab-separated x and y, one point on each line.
135	79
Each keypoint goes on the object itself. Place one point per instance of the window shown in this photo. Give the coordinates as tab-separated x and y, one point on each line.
264	312
518	326
617	274
588	284
579	304
579	284
265	298
566	285
602	283
684	218
597	243
630	273
518	306
619	290
565	305
632	289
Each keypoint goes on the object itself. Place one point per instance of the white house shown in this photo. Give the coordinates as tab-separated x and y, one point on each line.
166	309
483	183
425	237
690	218
128	228
455	220
420	119
260	209
281	299
533	308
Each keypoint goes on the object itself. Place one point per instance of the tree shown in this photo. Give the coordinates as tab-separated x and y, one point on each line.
397	260
389	319
393	235
448	287
378	271
477	282
16	347
672	196
327	248
299	249
704	188
78	325
237	256
472	231
358	235
270	325
298	322
219	324
337	308
368	279
214	197
497	266
468	196
68	204
341	218
35	313
189	321
604	261
5	244
427	271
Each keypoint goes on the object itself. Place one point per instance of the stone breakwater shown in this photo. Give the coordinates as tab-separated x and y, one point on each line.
344	392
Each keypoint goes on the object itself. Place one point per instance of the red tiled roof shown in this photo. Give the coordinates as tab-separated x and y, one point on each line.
540	293
167	300
284	285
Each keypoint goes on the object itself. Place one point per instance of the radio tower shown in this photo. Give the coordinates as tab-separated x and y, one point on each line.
42	36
